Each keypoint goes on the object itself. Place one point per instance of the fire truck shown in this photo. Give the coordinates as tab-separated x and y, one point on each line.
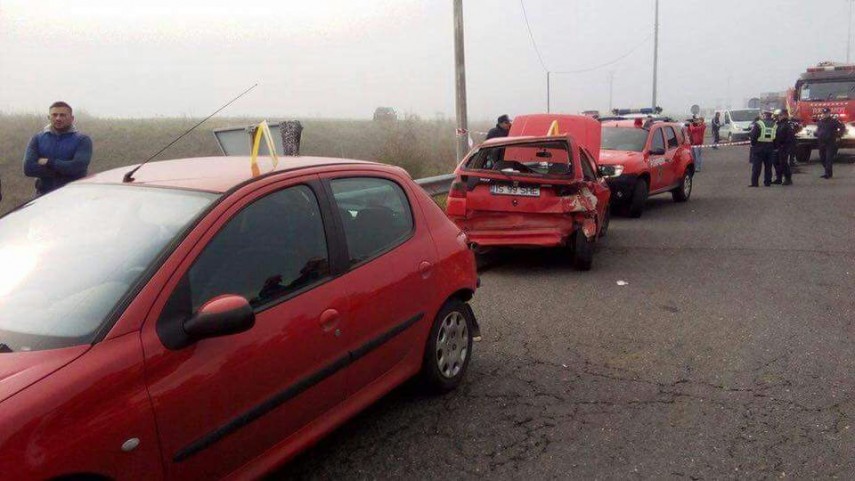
827	85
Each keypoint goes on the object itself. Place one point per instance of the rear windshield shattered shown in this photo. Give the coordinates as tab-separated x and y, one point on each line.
536	158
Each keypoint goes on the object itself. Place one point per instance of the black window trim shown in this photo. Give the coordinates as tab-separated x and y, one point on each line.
341	238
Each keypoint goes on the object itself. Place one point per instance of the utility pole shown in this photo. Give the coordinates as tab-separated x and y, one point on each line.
548	103
611	87
849	35
655	52
460	84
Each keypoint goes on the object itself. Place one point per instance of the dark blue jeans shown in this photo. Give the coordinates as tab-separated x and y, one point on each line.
762	158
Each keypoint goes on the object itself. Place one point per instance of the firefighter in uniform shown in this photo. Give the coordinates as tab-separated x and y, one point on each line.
762	149
785	144
828	130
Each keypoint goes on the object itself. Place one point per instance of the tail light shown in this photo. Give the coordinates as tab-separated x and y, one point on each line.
455	204
457	190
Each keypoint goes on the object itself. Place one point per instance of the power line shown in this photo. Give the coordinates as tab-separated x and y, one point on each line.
638	46
533	43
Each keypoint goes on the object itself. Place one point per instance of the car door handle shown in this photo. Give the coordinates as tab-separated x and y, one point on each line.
329	320
425	268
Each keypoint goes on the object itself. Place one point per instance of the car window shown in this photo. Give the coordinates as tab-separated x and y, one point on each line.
375	214
671	137
680	138
588	170
273	247
68	258
535	158
620	138
658	143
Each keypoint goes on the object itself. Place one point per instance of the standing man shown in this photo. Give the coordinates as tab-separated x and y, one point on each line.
828	130
59	154
785	145
716	128
762	149
503	126
696	134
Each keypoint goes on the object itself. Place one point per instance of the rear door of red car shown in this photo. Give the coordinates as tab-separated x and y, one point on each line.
672	143
389	278
660	170
221	402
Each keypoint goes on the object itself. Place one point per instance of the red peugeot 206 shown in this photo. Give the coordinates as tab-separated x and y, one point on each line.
202	322
539	187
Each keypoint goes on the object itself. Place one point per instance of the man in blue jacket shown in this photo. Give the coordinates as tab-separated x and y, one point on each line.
59	154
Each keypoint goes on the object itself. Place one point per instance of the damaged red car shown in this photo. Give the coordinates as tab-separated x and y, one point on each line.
539	187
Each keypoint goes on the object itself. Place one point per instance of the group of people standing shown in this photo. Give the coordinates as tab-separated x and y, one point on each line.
773	145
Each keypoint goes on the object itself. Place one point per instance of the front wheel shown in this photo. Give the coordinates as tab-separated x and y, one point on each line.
683	191
803	154
449	347
639	197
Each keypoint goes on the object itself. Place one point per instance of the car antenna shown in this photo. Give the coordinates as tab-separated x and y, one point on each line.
129	177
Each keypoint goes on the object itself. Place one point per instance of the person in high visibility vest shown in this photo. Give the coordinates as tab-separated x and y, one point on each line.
762	149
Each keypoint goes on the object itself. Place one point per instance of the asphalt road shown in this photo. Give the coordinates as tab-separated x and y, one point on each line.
728	355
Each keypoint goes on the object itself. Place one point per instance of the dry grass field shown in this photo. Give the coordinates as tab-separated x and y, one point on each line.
423	147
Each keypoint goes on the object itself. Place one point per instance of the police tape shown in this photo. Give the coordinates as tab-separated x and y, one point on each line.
723	144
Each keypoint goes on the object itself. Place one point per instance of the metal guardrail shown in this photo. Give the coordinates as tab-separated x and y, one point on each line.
436	185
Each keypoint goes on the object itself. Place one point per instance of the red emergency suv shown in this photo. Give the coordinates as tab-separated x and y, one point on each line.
201	322
641	159
538	187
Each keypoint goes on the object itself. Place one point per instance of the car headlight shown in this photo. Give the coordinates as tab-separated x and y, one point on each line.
850	130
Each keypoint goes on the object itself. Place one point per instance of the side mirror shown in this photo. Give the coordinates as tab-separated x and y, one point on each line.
221	316
606	170
657	152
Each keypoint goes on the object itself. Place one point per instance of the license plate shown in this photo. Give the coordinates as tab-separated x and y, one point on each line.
499	189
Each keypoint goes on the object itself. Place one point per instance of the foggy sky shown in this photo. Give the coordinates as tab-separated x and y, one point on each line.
343	58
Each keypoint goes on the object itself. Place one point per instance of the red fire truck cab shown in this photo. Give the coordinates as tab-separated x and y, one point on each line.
827	85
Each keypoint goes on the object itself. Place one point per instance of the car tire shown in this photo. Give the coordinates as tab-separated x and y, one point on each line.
583	251
803	154
449	348
639	197
607	218
682	192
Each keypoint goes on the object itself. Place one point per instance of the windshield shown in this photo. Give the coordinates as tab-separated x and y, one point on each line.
828	90
70	256
539	158
744	115
622	138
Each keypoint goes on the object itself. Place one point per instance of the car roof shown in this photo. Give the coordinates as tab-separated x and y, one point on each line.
584	130
213	174
629	124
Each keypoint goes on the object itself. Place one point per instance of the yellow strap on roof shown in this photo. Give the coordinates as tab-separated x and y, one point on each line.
553	129
263	130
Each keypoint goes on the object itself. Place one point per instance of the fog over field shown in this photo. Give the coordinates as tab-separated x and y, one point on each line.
343	58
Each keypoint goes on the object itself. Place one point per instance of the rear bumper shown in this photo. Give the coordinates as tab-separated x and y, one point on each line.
622	187
542	237
518	230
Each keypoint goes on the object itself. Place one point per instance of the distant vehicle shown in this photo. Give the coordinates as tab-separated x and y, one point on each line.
641	159
591	113
205	323
539	187
736	124
827	85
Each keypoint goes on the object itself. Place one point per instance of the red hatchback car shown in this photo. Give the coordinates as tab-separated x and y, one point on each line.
202	322
540	187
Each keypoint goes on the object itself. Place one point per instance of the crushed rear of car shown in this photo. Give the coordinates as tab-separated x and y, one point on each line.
534	191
